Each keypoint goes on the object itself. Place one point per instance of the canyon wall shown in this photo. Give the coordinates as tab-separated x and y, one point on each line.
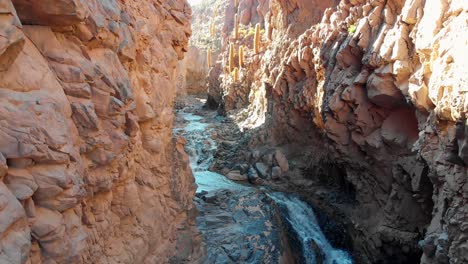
370	95
89	170
192	71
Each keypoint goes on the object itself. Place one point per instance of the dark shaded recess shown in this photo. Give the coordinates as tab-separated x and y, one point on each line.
334	177
393	252
398	257
336	232
211	103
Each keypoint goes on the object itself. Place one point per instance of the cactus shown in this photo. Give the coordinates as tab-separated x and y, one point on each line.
241	56
235	74
208	58
213	30
231	57
236	26
257	39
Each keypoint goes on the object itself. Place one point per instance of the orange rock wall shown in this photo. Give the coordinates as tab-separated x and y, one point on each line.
89	170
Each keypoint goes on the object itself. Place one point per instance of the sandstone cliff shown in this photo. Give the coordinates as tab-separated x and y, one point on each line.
89	170
372	97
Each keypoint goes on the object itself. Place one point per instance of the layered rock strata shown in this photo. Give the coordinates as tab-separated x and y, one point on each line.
89	170
371	95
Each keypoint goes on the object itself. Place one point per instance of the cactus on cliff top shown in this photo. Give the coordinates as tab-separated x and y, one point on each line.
235	74
212	30
241	56
231	57
208	58
236	26
257	39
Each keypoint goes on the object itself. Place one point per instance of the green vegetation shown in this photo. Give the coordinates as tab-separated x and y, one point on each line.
247	32
352	29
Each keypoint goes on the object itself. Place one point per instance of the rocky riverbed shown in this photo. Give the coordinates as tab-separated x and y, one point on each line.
242	222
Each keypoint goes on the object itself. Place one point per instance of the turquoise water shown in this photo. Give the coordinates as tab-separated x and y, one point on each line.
201	148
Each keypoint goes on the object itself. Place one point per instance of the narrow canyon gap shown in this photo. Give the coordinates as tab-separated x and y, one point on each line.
233	131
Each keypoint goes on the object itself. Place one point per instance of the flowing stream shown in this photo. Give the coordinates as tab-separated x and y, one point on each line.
310	243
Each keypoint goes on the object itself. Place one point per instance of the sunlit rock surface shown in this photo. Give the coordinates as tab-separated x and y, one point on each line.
192	71
90	172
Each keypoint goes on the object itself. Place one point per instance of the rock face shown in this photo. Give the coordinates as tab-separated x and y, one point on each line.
89	170
207	34
192	71
375	94
241	227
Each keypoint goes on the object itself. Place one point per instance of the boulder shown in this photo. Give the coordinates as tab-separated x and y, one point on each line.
236	175
262	170
276	173
253	175
281	160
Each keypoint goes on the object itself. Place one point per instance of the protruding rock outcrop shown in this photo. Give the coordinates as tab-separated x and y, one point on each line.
374	94
87	161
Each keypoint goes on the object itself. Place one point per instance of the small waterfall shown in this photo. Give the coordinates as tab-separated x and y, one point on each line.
301	217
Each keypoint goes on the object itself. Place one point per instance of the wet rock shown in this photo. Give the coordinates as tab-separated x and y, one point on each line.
262	170
240	228
276	173
253	175
236	175
268	159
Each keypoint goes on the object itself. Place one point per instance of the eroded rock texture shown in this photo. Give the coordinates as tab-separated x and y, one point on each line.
193	69
89	170
375	94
